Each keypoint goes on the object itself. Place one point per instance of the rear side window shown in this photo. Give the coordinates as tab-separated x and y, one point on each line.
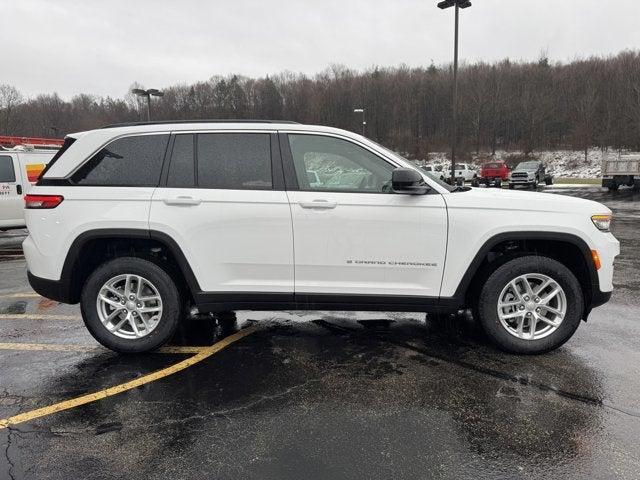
7	173
181	168
237	161
126	162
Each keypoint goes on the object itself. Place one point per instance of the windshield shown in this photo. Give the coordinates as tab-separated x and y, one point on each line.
431	175
528	166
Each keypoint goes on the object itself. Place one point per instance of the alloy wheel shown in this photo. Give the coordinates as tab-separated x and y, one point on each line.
532	306
129	306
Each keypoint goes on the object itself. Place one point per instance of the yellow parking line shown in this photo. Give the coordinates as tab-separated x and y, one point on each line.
33	316
180	349
204	353
20	295
61	347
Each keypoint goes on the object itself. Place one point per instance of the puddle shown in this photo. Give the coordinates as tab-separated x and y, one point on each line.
12	308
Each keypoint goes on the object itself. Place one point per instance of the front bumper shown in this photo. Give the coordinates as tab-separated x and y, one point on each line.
522	181
599	298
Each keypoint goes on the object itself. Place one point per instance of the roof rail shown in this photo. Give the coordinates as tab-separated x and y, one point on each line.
217	120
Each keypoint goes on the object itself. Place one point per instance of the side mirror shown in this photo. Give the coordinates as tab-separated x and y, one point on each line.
408	181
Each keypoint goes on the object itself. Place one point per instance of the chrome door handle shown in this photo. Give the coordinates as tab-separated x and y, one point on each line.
319	204
185	201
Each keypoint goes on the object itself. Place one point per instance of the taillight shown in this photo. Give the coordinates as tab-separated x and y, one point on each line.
42	201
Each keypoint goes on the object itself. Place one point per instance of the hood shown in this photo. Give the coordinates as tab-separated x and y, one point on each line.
516	200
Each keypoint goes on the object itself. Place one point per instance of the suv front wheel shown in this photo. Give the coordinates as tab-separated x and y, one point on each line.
531	304
130	305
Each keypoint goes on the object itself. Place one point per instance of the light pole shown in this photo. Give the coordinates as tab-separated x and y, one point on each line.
364	123
458	4
148	94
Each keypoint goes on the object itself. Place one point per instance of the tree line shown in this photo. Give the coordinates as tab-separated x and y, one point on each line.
526	106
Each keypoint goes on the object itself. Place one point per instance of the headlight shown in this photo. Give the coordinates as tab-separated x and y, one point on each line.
602	222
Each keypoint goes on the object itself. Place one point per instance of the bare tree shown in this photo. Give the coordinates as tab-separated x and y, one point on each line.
509	105
10	99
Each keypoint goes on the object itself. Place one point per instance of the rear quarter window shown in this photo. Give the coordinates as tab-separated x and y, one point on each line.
134	161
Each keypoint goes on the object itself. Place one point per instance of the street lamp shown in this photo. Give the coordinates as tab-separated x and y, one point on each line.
364	123
148	94
458	4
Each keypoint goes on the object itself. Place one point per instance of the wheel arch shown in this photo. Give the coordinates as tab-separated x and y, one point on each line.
101	244
567	248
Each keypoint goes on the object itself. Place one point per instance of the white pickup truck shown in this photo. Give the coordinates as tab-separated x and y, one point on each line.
621	169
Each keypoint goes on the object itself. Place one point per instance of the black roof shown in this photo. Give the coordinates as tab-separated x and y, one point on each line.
216	120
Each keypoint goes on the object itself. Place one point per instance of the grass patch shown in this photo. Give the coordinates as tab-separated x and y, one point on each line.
578	181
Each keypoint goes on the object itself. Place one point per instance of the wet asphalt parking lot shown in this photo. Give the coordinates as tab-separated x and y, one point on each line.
321	395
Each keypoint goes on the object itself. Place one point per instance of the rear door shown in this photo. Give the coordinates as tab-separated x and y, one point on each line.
223	202
11	189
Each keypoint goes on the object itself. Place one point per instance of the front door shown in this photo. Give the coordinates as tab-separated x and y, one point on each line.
352	235
11	203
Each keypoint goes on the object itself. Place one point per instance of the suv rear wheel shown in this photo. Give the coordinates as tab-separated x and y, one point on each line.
531	305
130	305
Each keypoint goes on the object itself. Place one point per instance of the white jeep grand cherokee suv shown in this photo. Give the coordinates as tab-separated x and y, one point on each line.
140	223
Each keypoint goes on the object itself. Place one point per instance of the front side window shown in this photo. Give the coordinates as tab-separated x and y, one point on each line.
7	173
126	162
332	164
235	161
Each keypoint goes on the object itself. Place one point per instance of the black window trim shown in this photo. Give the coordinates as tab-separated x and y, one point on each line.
13	168
291	180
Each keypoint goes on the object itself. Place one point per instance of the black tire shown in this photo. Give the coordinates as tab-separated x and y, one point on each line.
488	313
511	186
171	305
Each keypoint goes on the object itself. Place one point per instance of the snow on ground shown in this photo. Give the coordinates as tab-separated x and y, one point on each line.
560	163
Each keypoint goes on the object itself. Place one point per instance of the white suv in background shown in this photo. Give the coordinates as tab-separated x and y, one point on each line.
142	222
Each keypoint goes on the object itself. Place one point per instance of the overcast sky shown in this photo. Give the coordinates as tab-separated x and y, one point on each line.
101	47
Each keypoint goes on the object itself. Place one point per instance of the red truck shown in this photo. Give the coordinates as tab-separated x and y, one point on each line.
493	174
